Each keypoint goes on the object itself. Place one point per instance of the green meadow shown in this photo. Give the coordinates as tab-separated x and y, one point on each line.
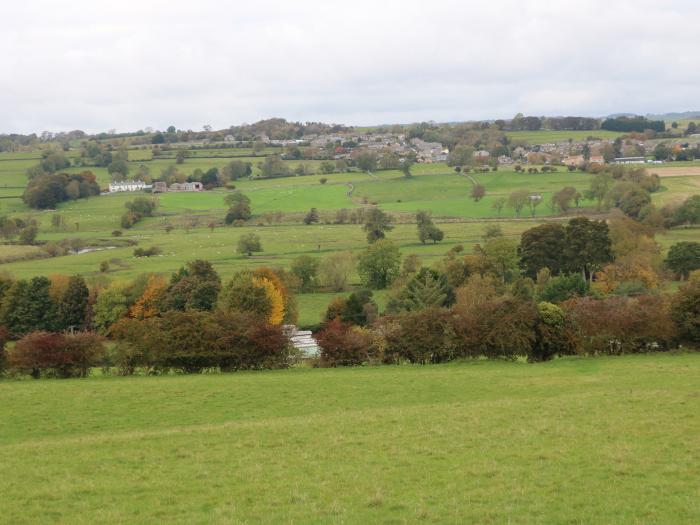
549	137
576	440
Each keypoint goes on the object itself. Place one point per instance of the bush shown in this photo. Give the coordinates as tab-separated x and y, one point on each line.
56	354
4	338
620	325
555	334
564	287
248	342
425	336
685	310
343	344
192	341
129	352
147	252
496	327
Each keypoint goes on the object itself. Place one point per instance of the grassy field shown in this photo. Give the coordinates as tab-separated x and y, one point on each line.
596	440
549	137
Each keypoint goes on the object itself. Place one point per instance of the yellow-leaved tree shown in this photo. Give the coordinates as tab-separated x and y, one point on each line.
148	305
276	298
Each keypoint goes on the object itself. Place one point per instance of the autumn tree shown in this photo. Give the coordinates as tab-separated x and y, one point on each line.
151	301
685	309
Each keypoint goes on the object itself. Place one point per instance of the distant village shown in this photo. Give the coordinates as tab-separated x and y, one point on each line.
481	145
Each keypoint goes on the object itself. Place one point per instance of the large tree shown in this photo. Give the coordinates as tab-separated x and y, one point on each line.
543	247
195	286
588	246
377	223
427	231
684	257
380	264
27	306
73	303
306	270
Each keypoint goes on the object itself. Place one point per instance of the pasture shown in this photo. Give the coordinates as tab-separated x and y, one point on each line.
550	137
576	440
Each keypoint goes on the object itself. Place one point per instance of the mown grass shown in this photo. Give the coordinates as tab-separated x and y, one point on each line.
596	440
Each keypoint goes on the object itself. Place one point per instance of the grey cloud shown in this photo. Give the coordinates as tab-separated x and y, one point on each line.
133	64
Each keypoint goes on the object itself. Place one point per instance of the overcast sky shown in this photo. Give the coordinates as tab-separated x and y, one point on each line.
130	64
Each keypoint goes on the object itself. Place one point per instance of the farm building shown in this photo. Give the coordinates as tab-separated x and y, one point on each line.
128	185
629	160
162	187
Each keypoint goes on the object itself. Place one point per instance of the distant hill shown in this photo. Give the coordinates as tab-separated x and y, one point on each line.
675	116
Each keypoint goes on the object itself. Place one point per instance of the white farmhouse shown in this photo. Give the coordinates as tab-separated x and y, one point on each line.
128	185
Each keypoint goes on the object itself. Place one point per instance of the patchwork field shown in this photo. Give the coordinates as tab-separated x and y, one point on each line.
278	207
606	440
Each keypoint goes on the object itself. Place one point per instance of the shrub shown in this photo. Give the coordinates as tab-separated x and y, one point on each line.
564	287
343	344
248	342
184	341
495	327
147	252
425	336
56	355
554	334
129	351
619	325
685	310
4	338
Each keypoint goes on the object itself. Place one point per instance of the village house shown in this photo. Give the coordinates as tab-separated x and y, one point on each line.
429	151
128	185
186	186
